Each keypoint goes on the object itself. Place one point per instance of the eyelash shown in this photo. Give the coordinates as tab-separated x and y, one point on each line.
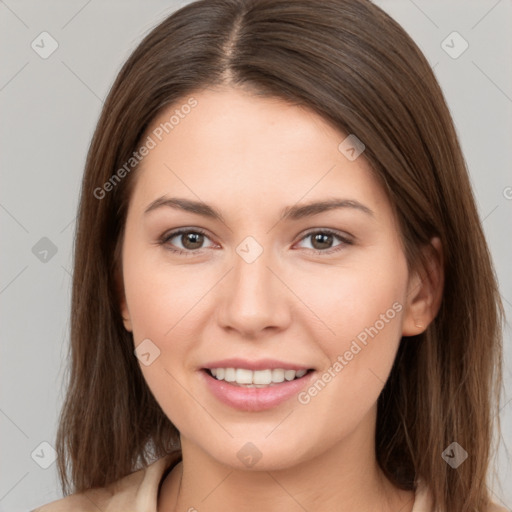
168	236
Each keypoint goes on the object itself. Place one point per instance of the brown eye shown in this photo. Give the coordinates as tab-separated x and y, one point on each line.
192	240
184	241
322	241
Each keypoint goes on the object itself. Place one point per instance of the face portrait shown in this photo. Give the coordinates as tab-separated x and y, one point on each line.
266	283
255	256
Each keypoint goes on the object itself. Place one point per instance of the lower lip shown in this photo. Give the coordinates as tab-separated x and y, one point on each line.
255	399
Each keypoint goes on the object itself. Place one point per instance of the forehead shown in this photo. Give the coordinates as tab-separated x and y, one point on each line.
232	144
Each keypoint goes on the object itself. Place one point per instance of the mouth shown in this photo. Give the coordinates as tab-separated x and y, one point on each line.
243	377
255	390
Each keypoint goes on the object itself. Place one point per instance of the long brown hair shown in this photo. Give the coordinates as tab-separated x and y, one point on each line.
352	64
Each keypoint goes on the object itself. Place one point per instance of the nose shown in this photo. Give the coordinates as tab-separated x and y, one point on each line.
254	298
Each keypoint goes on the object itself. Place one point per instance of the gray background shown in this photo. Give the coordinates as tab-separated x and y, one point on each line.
49	110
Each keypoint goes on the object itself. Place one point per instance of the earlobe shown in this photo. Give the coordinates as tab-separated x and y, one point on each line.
425	291
125	314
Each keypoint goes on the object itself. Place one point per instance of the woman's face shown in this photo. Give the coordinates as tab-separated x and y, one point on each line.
264	283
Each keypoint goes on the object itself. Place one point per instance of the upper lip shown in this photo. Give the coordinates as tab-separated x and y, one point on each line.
260	364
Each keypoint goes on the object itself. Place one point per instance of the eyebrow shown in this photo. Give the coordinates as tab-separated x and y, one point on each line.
289	213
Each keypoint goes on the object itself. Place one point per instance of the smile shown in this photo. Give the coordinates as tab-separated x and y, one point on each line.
256	378
252	391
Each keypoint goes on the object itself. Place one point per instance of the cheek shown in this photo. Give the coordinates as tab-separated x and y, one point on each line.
161	298
358	325
368	325
164	306
344	301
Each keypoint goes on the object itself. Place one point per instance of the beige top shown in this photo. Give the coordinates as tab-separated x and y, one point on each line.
138	492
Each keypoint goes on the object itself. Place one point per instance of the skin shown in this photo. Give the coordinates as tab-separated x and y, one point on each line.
250	157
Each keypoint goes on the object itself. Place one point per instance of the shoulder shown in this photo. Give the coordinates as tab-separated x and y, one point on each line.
493	507
138	487
75	502
423	500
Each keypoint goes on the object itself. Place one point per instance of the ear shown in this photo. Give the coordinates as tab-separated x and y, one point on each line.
122	302
425	291
126	316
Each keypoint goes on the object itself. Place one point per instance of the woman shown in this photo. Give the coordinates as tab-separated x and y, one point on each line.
283	298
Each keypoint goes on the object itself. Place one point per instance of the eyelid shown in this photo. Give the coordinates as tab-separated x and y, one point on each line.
168	235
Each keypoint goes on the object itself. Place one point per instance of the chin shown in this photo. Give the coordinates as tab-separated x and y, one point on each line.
258	455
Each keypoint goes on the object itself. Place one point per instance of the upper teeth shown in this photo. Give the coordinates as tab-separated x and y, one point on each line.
263	377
